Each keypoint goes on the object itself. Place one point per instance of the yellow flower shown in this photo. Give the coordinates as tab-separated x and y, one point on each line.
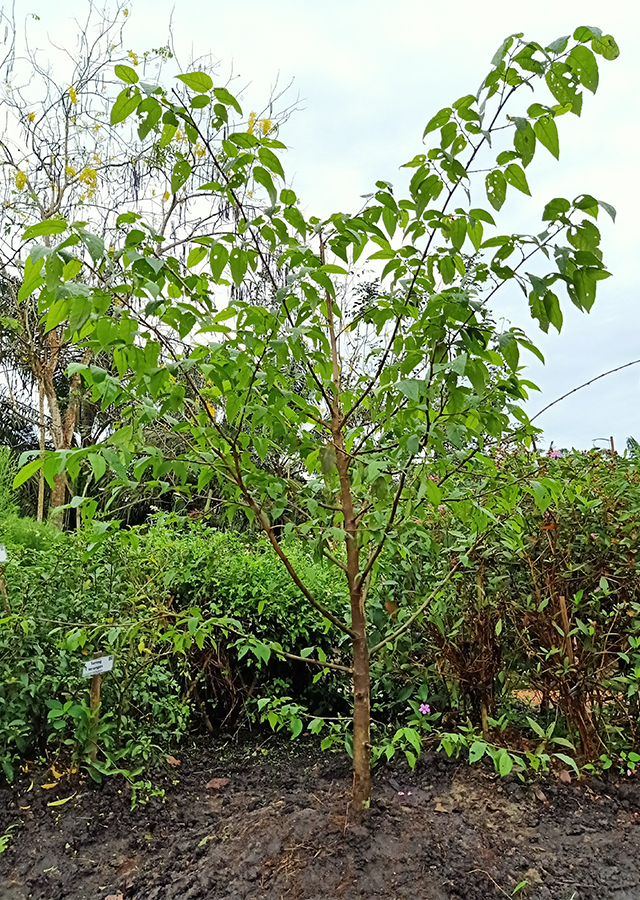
125	12
73	95
69	171
251	123
200	151
21	180
89	177
31	116
165	196
265	125
132	56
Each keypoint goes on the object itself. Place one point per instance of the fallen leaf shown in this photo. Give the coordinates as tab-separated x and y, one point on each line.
440	808
173	761
565	775
55	772
46	787
216	784
25	807
114	897
60	802
541	797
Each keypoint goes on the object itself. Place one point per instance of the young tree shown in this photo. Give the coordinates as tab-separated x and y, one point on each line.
375	400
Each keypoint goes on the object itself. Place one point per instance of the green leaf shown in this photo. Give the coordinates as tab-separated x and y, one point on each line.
93	243
505	763
218	258
98	465
262	177
458	232
514	174
537	729
26	472
559	45
606	46
555	209
288	197
524	141
477	750
496	186
502	50
197	81
179	175
168	132
270	160
509	348
126	73
553	310
546	131
32	278
584	64
238	262
223	95
584	33
568	761
125	104
441	118
199	101
196	255
608	209
49	226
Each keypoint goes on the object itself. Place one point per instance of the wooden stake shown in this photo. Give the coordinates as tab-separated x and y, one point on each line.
3	592
94	705
566	628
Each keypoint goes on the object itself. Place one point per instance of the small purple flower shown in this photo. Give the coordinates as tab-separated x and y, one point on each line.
425	709
441	508
554	454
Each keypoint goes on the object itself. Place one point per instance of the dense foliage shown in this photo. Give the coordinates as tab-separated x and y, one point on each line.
531	649
374	436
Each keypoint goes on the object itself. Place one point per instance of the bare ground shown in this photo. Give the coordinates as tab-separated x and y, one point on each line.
278	830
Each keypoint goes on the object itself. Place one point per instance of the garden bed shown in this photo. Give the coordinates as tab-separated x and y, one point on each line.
239	821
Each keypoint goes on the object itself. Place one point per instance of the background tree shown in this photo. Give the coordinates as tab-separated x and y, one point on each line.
382	433
58	159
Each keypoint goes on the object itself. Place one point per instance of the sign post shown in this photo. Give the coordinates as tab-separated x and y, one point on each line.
3	586
94	669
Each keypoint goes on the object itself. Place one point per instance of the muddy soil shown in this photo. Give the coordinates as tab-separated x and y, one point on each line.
235	823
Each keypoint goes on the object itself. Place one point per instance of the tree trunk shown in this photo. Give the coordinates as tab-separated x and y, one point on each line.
40	514
361	794
58	498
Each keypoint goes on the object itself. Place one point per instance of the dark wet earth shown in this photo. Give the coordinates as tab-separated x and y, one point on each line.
278	829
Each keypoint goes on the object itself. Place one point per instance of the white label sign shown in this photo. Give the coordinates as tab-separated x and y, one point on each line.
3	553
97	666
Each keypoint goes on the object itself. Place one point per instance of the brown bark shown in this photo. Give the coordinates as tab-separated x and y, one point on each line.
361	793
62	424
40	514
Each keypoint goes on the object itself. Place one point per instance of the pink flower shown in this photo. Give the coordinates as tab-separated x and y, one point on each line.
425	708
554	454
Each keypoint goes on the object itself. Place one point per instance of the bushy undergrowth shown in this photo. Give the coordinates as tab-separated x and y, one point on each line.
530	651
190	615
534	644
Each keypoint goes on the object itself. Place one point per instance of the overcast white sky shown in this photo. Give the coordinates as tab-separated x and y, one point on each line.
370	75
